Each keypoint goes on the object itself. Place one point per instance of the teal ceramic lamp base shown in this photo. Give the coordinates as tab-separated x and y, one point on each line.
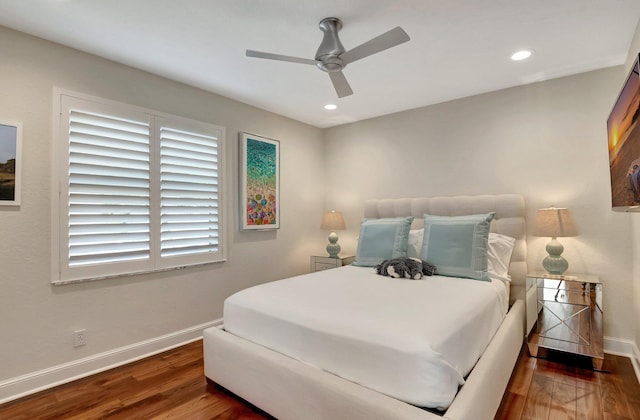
333	248
555	263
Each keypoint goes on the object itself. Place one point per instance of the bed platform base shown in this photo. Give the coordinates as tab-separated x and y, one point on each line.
289	389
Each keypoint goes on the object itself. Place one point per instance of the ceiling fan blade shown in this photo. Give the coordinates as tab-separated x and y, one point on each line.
395	36
279	57
340	84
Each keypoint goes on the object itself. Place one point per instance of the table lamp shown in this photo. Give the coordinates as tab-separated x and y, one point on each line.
555	223
333	220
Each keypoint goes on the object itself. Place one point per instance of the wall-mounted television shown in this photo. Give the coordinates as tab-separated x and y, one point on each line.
623	127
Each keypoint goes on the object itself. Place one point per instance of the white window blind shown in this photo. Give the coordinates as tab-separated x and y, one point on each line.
140	191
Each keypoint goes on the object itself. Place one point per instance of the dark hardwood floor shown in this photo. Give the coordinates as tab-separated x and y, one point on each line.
565	387
171	385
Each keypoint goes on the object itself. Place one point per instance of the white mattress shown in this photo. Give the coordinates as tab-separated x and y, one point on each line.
414	340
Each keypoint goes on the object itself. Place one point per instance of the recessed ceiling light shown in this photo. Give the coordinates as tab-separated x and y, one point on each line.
521	55
330	107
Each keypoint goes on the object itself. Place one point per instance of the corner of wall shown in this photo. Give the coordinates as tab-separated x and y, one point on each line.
634	48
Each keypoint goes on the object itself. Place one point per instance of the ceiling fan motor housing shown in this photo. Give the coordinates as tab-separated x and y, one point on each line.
328	55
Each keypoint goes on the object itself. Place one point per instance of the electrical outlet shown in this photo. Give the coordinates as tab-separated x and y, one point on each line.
79	338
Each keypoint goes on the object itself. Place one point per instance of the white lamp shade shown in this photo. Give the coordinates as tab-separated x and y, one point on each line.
554	223
332	220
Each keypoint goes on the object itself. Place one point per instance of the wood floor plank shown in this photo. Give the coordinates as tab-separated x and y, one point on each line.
216	404
546	368
36	407
522	377
538	398
610	416
588	402
512	405
563	402
101	410
614	400
566	375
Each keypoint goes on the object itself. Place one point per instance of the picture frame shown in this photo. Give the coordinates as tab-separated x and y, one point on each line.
623	135
10	163
259	182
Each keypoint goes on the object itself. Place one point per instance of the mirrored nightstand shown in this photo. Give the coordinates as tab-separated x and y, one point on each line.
564	312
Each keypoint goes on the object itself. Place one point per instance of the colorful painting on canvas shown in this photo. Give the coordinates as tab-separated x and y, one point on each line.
260	182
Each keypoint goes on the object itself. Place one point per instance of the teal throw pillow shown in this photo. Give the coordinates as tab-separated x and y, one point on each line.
457	245
382	239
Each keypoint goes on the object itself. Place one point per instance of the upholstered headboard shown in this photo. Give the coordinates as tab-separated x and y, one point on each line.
509	220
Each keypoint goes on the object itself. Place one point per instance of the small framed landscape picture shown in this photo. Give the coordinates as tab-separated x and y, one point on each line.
10	163
259	182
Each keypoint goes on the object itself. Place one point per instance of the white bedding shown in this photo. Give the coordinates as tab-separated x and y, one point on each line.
414	340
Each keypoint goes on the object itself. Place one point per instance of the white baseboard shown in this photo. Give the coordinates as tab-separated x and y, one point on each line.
622	347
618	346
33	382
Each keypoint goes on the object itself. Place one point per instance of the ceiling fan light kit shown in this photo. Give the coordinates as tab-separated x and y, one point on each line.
332	57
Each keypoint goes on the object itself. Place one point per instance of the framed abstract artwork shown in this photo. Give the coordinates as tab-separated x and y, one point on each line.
259	182
10	163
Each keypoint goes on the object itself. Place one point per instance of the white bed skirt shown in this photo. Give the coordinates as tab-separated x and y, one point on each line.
288	389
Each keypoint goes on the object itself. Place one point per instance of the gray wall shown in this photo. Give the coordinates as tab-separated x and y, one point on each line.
546	141
37	319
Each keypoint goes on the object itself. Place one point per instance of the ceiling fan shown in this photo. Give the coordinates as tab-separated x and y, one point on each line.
331	56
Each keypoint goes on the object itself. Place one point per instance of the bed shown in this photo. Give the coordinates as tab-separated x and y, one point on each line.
288	388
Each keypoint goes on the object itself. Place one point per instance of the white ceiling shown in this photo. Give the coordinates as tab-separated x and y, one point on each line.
458	48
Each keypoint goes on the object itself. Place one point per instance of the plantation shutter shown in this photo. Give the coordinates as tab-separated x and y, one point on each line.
108	189
138	192
189	199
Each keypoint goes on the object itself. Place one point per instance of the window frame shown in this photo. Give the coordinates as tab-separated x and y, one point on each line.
62	273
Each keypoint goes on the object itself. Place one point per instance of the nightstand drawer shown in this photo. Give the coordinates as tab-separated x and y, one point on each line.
324	266
325	263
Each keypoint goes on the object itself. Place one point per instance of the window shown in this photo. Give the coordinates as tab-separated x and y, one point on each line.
139	191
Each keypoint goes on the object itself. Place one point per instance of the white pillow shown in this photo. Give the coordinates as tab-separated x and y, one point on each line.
499	254
414	244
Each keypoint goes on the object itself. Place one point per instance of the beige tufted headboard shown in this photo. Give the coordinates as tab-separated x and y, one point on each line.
509	220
